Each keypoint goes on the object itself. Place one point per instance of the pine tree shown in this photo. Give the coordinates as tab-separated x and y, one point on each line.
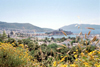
4	36
8	36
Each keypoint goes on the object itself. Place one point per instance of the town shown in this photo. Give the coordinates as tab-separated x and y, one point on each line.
25	34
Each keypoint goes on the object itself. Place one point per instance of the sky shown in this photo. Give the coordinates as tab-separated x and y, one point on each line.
50	13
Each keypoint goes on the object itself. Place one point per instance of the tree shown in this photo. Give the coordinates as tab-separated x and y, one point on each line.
26	41
52	38
8	36
0	35
4	36
46	38
20	41
11	40
1	38
68	37
63	38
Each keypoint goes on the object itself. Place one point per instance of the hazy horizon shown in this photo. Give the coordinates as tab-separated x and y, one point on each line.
50	13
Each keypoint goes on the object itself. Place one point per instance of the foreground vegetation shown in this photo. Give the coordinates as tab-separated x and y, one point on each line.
27	53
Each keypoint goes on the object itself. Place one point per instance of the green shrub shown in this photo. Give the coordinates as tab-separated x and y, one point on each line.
13	56
11	40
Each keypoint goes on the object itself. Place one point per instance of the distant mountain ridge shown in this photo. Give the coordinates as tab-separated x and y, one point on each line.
82	26
27	26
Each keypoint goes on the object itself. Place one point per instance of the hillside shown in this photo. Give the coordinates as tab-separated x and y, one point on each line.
23	26
82	26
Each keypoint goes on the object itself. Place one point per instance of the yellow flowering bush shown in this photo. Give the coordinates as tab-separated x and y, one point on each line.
14	56
91	59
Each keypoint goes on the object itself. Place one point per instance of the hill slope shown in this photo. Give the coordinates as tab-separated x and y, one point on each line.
23	25
82	26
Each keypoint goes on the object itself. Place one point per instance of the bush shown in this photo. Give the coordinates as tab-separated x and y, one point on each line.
1	40
20	41
13	57
90	48
72	42
11	40
26	41
52	45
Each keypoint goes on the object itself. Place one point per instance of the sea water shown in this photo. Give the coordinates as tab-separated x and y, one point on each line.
75	33
96	31
57	36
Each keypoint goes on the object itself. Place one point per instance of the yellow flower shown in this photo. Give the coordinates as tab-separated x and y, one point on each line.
86	64
98	65
73	65
92	57
95	65
74	52
54	63
82	54
77	50
62	59
76	59
86	51
75	56
21	45
97	58
61	56
98	52
90	53
65	65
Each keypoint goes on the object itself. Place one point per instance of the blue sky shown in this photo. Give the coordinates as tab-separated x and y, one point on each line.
50	13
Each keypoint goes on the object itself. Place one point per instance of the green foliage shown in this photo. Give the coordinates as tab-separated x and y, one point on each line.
11	40
8	36
90	48
1	38
26	41
4	36
63	39
20	41
32	52
72	42
54	46
73	38
52	38
88	42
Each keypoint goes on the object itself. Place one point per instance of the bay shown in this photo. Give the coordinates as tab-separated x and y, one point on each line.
75	32
56	36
